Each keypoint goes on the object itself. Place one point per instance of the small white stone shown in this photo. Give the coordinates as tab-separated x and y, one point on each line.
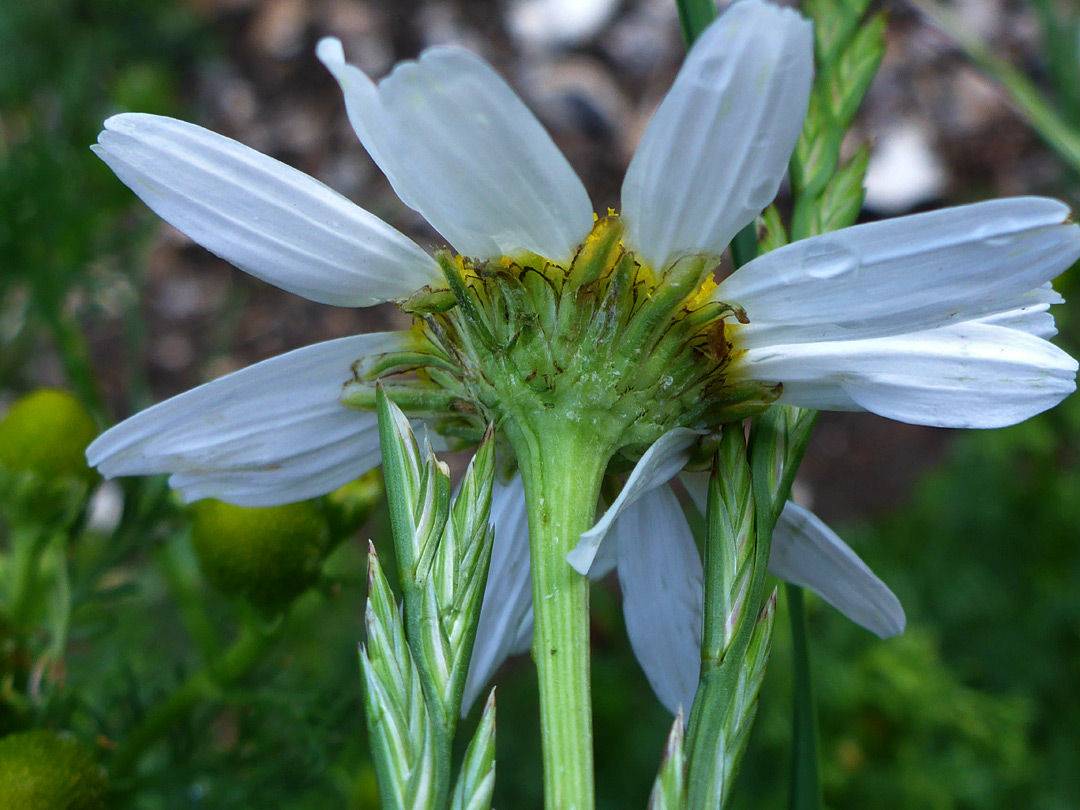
904	171
552	23
106	508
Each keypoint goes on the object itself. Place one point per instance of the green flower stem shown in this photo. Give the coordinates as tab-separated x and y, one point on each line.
27	545
694	17
185	586
60	602
744	246
74	352
562	468
781	438
205	685
805	779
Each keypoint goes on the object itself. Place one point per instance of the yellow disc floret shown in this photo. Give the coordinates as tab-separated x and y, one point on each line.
606	341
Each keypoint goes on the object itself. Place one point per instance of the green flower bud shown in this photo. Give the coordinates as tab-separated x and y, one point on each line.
46	432
268	556
41	770
349	507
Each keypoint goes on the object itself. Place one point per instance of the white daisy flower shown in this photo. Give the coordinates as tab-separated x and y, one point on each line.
937	319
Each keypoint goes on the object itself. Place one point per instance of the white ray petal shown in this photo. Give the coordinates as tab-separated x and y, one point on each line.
716	150
461	148
697	487
506	612
1029	313
905	274
523	638
661	576
971	375
807	553
607	557
1034	319
295	477
657	466
272	433
263	216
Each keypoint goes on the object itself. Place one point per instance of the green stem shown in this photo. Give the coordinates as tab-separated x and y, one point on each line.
27	545
695	16
205	685
562	469
744	246
805	780
802	217
185	586
60	597
74	355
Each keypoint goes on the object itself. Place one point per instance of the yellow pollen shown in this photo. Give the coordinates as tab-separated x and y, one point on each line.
646	275
703	294
465	268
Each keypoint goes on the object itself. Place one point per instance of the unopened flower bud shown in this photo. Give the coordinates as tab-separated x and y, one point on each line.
268	556
42	770
46	432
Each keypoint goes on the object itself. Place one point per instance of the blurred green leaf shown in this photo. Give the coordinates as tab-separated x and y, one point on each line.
1054	123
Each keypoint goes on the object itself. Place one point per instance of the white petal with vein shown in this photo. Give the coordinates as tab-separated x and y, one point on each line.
657	466
971	375
263	216
272	433
1029	313
716	150
660	575
905	274
807	553
461	148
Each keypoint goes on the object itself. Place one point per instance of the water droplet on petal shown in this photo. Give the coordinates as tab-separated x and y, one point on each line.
825	260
